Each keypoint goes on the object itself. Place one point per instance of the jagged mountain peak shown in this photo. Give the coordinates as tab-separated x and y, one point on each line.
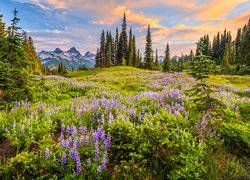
71	58
88	54
58	50
74	51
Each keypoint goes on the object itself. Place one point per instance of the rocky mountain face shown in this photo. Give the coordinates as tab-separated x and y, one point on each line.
71	58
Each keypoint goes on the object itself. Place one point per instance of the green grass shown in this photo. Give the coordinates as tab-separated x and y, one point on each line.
235	81
123	75
121	79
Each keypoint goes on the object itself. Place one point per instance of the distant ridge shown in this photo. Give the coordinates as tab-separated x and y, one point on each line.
71	58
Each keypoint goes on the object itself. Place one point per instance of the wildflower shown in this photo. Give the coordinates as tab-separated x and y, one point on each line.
107	142
104	161
47	153
78	168
96	149
74	155
83	130
99	169
111	118
62	128
87	140
64	158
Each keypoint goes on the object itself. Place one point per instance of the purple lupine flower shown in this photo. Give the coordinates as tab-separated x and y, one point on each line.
74	155
70	142
104	161
111	118
101	133
96	149
71	130
47	153
77	142
64	143
64	158
83	130
62	128
99	169
78	168
95	136
107	142
87	140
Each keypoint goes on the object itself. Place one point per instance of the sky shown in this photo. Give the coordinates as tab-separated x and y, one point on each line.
78	23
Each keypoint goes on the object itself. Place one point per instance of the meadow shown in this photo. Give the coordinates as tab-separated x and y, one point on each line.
127	123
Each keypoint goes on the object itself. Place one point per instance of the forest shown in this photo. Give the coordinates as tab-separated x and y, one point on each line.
132	116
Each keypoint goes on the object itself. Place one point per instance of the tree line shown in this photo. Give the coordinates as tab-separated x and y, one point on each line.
231	54
121	50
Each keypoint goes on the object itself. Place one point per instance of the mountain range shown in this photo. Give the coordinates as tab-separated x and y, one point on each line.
71	58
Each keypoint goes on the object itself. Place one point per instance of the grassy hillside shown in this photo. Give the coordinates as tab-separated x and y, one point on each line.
127	123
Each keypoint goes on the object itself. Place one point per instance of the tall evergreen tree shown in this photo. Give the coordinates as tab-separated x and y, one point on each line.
97	59
237	45
225	60
134	59
116	46
14	43
191	56
102	50
148	51
156	60
166	61
3	54
130	48
123	43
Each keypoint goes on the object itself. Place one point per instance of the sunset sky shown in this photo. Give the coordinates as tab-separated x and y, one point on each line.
78	23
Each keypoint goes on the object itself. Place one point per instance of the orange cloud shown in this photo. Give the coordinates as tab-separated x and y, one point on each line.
216	10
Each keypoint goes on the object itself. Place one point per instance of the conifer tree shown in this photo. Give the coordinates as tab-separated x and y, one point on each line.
130	48
123	43
134	59
156	60
14	43
97	59
138	60
116	46
102	50
166	61
37	65
225	60
237	45
109	55
148	51
191	56
217	49
3	54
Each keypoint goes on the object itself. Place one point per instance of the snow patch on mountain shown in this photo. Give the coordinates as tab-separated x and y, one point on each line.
71	58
